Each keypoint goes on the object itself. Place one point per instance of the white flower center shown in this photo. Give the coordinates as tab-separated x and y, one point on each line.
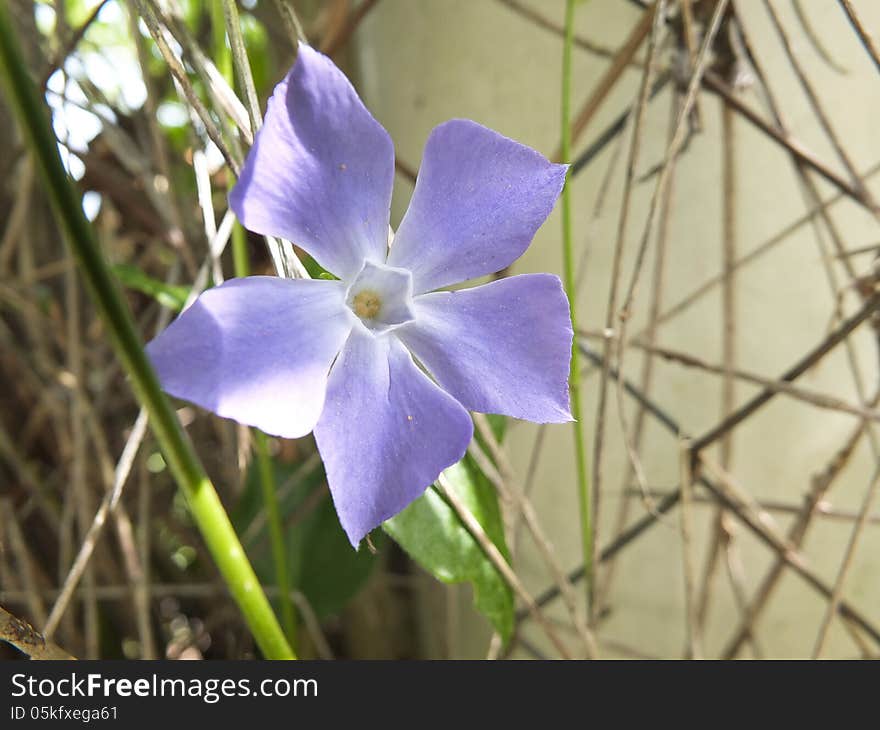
381	296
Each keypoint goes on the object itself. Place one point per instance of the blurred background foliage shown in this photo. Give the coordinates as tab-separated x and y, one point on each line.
129	139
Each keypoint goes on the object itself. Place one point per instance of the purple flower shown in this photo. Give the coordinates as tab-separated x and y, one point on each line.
340	357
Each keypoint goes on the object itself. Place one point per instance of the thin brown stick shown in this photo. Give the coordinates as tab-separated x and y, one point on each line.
144	541
823	508
736	575
690	41
813	502
70	45
864	36
744	508
656	25
159	147
78	485
631	533
90	539
728	289
611	76
760	250
794	146
798	369
812	198
542	21
115	480
241	64
818	108
186	87
291	22
820	400
336	42
27	568
27	640
606	579
693	641
528	483
497	559
846	564
672	151
725	488
720	537
19	212
504	482
813	36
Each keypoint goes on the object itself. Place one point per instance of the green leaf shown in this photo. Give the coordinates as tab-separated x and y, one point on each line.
314	268
323	565
168	295
430	531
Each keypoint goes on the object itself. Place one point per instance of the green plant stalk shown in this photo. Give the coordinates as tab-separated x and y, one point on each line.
583	481
242	267
223	57
241	264
222	53
276	534
241	64
204	503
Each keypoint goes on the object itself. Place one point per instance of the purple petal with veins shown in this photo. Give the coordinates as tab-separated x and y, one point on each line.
501	348
257	350
320	171
386	432
479	199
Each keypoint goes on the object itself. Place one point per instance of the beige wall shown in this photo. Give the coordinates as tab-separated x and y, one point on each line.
424	61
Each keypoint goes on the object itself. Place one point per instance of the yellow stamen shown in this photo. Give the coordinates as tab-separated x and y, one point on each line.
367	304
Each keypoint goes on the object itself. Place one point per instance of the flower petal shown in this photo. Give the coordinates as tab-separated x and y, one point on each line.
503	347
479	199
257	350
320	171
386	432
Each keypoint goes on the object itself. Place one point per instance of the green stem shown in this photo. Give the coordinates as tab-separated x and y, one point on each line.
205	506
241	64
276	534
241	263
583	482
222	53
242	267
223	57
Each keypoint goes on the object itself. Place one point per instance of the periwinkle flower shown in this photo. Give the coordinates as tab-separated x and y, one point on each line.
381	365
